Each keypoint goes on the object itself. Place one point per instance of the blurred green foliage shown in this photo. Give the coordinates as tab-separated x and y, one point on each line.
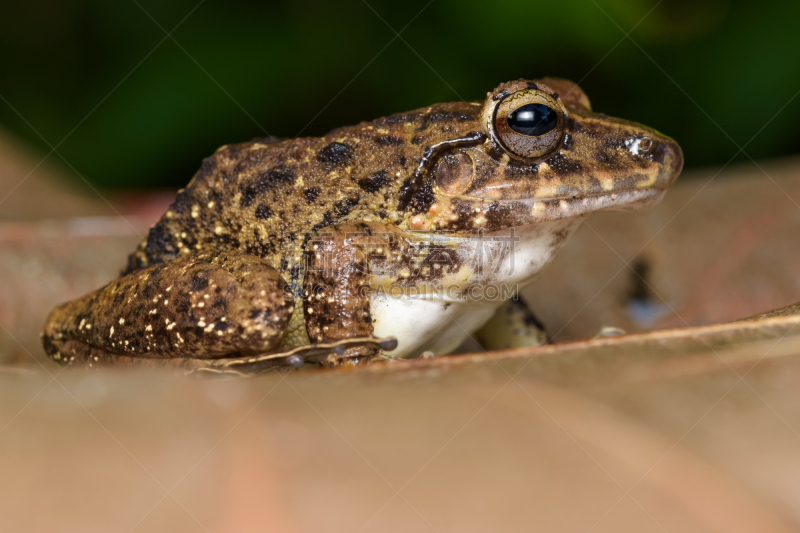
128	105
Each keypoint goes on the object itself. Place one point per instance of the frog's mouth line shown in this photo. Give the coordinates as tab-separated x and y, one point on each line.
563	207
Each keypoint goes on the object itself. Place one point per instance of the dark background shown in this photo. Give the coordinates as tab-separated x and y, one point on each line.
128	106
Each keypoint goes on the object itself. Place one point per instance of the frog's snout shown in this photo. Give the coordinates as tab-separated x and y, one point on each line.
668	155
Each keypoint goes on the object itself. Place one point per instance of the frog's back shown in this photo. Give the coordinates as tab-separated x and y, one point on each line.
267	197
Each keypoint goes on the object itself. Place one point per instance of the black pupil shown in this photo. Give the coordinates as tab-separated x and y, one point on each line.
533	119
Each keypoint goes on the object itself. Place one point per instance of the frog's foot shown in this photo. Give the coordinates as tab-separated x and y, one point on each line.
512	326
329	354
197	306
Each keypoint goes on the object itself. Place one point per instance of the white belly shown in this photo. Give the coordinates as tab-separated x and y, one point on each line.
428	324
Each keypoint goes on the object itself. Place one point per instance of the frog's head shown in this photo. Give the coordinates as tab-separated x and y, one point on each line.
543	154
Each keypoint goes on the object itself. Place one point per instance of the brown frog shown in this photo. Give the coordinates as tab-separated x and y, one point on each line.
407	233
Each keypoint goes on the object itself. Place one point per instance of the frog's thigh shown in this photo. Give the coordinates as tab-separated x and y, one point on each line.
200	306
512	326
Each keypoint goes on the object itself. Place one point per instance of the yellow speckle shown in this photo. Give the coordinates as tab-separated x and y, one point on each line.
111	332
121	321
149	328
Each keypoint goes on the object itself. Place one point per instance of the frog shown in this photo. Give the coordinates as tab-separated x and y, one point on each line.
393	238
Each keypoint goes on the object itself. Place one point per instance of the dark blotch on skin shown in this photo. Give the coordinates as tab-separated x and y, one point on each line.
396	119
375	182
265	181
311	194
263	212
388	140
327	220
248	195
199	283
160	246
343	207
274	176
334	153
562	165
406	190
182	202
424	197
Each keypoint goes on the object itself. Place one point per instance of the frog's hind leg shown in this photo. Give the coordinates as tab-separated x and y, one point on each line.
200	306
512	326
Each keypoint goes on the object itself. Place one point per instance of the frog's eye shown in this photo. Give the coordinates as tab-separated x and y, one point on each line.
529	124
533	119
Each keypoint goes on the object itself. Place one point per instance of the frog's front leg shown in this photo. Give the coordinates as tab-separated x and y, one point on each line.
336	288
200	306
513	325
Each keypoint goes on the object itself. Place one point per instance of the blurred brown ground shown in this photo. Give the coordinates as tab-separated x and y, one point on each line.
685	430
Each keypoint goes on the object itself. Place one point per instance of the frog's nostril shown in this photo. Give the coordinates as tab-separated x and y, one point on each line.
645	144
